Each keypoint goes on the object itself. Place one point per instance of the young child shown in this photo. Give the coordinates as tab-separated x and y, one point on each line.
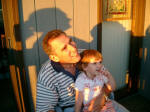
91	81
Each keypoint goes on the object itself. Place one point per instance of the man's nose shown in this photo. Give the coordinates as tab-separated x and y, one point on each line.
71	47
73	44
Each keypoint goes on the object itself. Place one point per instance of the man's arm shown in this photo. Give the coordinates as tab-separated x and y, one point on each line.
46	98
78	101
98	102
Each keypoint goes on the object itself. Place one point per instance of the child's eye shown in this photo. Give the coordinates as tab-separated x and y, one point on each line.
64	47
97	63
94	63
100	62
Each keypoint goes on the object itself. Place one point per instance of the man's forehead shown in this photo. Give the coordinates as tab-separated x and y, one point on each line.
59	42
61	38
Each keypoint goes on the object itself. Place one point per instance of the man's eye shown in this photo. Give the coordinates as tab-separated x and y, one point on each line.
64	47
70	40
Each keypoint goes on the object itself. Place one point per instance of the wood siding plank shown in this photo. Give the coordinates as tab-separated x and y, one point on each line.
93	16
82	23
45	21
65	19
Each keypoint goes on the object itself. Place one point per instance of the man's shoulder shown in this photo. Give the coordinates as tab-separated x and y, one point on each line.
46	72
45	66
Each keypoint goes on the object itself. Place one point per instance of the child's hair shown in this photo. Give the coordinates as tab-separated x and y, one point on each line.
87	57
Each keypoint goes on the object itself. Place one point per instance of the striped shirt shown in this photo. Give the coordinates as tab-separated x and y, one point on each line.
55	87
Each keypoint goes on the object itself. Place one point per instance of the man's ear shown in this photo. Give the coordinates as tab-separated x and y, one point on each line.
54	58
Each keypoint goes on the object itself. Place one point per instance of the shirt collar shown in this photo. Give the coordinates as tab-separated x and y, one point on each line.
57	67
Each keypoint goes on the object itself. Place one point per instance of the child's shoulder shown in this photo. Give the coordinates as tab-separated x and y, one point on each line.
82	75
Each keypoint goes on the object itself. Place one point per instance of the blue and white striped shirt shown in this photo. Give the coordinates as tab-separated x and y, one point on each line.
55	87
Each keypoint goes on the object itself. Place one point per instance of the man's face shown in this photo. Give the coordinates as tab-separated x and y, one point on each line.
65	49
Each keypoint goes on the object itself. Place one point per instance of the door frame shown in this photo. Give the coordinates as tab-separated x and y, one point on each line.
10	13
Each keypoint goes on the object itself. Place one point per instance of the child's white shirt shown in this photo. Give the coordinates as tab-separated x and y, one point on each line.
90	88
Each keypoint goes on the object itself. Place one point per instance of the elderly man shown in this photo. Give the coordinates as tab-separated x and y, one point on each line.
55	84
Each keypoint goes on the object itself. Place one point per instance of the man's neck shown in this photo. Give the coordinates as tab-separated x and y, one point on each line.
70	67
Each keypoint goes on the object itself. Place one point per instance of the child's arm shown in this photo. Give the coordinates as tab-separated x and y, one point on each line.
111	84
78	101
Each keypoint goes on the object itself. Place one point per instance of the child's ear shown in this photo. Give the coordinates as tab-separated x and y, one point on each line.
54	58
84	67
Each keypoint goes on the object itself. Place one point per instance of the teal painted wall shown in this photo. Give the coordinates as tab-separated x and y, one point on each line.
116	48
145	66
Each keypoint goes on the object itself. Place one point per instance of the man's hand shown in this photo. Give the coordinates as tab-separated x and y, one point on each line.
97	103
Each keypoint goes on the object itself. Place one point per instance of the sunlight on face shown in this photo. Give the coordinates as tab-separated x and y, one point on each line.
65	49
93	68
91	60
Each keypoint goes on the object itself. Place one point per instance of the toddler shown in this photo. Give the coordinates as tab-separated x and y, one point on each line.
90	82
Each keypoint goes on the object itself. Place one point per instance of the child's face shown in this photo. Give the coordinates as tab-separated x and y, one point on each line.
93	68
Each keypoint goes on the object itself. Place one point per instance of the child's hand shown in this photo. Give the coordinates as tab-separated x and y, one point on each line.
104	71
111	84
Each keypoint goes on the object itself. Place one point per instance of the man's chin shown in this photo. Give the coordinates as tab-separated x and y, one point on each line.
74	60
77	59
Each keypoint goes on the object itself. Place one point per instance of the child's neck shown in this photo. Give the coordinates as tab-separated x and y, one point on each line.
90	76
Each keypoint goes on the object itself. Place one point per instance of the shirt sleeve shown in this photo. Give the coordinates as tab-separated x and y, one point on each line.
79	84
46	98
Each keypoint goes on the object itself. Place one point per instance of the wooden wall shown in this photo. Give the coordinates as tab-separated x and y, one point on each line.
77	18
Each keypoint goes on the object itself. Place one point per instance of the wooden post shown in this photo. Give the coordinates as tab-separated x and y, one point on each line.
14	46
99	26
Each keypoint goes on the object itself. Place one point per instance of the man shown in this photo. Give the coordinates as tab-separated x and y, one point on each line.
55	84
